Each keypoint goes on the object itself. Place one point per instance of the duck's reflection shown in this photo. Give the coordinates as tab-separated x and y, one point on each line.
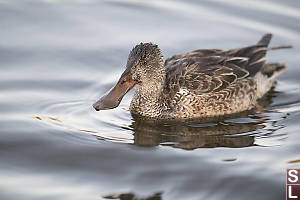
191	136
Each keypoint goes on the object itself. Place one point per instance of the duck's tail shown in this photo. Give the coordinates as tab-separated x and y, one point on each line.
272	70
265	78
265	40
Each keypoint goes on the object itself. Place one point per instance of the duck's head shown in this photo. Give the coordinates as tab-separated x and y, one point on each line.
144	66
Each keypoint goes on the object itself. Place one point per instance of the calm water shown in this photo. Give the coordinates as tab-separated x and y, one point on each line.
58	57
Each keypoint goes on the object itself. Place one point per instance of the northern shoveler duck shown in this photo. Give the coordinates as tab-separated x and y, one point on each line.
201	83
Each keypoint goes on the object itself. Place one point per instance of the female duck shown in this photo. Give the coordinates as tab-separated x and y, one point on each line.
202	83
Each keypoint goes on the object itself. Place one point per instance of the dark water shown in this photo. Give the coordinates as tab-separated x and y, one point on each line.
58	57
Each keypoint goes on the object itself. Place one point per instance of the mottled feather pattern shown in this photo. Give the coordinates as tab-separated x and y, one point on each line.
213	82
209	90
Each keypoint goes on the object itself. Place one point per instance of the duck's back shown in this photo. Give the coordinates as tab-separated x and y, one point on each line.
206	83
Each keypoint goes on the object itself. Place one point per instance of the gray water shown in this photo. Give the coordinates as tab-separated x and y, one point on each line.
58	57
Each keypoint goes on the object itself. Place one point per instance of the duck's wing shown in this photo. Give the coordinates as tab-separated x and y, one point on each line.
204	75
191	55
205	71
255	55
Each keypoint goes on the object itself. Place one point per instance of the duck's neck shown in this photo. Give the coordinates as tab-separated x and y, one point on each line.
147	100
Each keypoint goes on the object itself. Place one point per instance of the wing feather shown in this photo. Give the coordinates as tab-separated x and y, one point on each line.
212	70
203	75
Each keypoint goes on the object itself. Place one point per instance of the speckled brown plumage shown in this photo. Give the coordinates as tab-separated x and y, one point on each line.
201	83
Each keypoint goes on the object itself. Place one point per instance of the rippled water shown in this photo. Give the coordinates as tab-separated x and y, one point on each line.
58	57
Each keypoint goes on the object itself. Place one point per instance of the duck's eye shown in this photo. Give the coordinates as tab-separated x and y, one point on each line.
142	62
